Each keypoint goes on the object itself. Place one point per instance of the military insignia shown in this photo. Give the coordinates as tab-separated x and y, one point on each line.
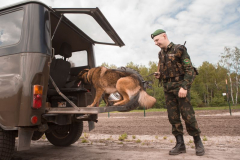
186	61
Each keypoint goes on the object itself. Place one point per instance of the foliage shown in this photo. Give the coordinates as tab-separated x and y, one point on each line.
205	138
231	60
195	99
123	137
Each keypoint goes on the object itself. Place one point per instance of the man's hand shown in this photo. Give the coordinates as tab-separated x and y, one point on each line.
182	93
157	75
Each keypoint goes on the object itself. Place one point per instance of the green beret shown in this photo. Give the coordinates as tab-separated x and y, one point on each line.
157	32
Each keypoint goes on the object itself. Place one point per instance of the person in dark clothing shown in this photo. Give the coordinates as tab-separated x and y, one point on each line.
176	74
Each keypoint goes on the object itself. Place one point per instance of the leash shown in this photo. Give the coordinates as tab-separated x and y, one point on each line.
150	74
159	83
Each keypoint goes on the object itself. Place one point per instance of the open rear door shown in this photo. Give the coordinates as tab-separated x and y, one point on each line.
93	23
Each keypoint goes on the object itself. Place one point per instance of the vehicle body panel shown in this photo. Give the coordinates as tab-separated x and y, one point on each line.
28	62
23	65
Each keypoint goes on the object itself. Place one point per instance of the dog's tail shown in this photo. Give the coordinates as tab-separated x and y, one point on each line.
145	99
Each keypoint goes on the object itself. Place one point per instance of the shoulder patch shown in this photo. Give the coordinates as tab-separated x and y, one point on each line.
186	61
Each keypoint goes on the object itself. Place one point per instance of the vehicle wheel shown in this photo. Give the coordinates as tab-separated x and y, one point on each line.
7	144
65	135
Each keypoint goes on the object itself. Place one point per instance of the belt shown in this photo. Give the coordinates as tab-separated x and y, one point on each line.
174	79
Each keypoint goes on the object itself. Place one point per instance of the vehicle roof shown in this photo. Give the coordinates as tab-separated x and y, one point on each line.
67	22
23	3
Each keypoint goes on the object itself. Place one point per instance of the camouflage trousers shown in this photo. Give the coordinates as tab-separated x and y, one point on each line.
177	106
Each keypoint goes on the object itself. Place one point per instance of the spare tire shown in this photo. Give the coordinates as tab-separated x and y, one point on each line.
65	135
7	144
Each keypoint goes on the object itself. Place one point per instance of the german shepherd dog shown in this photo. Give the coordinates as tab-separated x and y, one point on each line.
107	81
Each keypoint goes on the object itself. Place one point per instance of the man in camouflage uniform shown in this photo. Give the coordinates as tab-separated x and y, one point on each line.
176	73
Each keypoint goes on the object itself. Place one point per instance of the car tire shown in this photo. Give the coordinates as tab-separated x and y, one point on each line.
7	144
65	135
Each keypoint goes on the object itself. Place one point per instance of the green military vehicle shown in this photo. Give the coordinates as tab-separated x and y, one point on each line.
42	49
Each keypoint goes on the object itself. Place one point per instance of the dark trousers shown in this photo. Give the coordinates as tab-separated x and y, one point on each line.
177	106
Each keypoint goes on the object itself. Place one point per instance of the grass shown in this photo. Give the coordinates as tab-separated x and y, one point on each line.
84	141
86	135
110	138
122	137
205	138
164	137
195	108
138	141
217	108
44	137
128	141
151	110
133	137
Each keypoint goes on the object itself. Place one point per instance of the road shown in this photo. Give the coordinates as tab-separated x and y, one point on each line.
146	139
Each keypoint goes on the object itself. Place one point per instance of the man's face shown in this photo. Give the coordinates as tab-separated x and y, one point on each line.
159	40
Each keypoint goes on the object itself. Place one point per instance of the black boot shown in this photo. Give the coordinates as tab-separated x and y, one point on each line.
180	146
198	146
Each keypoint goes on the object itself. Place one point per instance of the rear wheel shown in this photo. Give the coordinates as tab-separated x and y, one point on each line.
7	144
65	135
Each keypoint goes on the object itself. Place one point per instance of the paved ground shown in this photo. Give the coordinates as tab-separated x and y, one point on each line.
147	138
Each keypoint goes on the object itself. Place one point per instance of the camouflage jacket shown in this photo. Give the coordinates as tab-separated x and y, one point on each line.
175	62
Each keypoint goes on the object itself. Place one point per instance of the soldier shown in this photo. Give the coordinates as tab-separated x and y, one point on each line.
176	73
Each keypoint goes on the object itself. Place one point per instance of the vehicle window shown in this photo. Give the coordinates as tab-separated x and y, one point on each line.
78	59
89	26
10	28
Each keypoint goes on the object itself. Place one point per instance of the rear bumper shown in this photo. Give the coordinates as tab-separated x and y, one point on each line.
85	110
132	104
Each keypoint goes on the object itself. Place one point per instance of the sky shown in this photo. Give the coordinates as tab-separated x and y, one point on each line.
207	26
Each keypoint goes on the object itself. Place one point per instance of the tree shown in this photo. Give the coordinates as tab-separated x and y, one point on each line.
230	59
112	66
236	59
210	83
204	82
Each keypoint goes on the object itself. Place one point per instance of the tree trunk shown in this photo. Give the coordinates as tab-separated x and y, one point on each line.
236	101
204	97
207	97
211	95
230	79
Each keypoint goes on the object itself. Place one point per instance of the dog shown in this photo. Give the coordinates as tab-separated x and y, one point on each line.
107	81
